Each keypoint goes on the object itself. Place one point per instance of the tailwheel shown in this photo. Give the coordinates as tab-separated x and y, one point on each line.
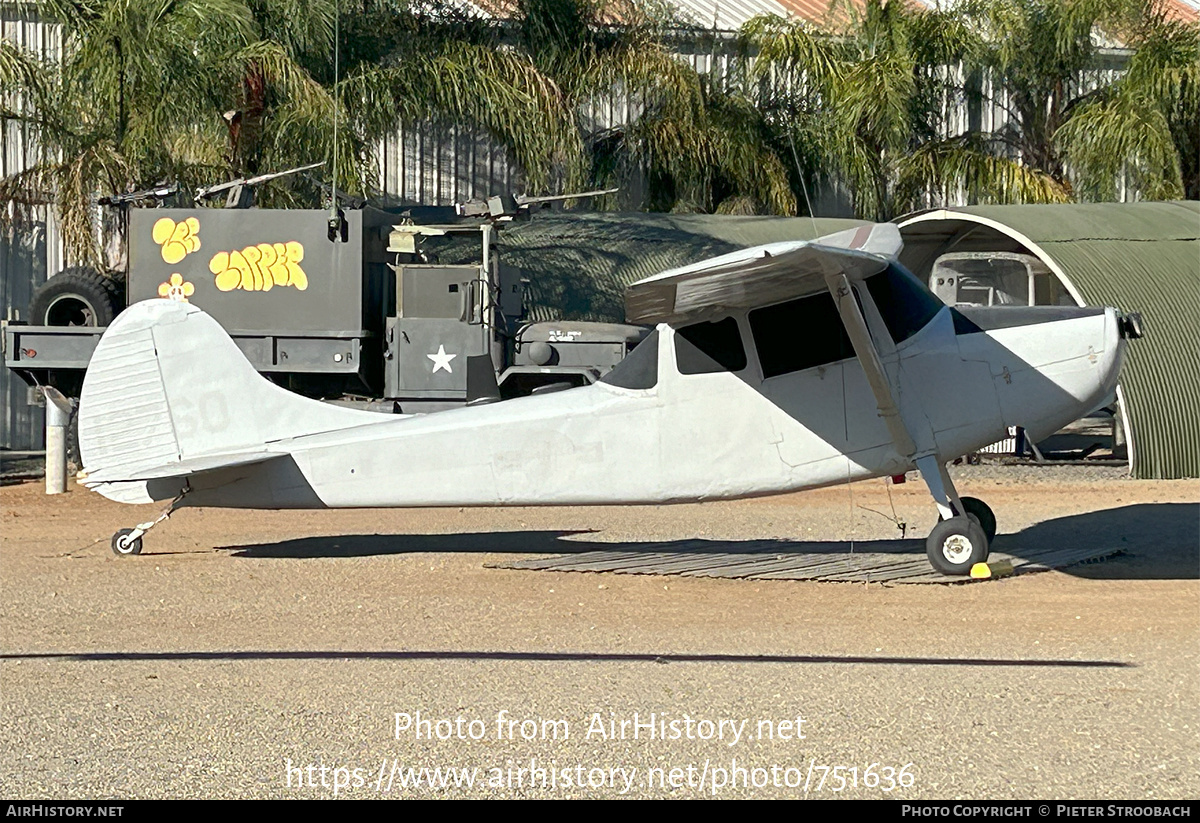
124	543
955	545
127	542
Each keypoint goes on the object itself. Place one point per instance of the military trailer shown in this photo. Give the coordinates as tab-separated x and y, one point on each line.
367	307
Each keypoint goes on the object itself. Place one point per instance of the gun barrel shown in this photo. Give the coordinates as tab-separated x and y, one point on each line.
209	191
262	178
133	196
525	200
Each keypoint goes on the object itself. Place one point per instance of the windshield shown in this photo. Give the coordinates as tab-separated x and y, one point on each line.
904	302
639	370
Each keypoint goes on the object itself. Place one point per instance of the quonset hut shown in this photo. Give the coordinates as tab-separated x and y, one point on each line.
1142	257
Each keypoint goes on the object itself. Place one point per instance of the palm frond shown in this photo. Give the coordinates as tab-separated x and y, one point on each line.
793	47
966	166
1122	134
20	72
501	92
873	99
719	150
303	28
72	184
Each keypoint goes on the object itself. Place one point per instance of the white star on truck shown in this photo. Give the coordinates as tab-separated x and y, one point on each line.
441	360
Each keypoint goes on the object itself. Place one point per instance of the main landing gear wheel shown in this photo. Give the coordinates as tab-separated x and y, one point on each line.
955	545
124	546
987	520
982	513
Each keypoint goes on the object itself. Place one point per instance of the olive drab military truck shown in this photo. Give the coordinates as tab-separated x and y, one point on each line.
361	306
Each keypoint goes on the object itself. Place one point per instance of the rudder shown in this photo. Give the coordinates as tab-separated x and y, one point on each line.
166	384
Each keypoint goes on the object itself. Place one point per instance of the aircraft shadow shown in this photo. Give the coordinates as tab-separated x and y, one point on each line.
1158	541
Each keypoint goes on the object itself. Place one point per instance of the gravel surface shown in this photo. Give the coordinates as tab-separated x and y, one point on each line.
244	642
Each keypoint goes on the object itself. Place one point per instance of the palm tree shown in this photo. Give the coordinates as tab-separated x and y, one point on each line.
126	103
532	81
863	102
712	151
435	64
1064	119
1146	125
697	142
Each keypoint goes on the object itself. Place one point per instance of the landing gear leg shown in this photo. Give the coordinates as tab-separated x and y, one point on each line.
127	542
934	473
959	541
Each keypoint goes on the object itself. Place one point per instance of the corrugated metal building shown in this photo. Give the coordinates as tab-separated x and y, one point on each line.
1141	257
29	255
437	164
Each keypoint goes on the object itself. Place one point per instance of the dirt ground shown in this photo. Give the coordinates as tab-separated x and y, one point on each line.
340	653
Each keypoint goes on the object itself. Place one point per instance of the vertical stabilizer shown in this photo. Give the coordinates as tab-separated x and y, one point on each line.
168	386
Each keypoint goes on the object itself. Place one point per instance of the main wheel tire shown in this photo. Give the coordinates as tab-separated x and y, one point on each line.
981	513
122	546
955	545
78	296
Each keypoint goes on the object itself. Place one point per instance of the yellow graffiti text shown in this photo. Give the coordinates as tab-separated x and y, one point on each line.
260	268
178	240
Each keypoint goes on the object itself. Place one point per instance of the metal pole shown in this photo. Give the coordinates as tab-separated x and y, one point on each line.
58	418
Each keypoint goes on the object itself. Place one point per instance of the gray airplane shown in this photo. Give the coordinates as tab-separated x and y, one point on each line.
773	369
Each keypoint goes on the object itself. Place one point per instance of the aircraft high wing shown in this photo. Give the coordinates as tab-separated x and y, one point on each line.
771	370
760	276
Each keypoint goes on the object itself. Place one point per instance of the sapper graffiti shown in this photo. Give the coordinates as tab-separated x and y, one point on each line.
260	267
257	267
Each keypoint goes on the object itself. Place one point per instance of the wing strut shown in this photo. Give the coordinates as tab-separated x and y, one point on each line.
864	347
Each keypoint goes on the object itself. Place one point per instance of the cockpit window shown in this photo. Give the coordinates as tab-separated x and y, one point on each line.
799	334
639	370
705	348
903	301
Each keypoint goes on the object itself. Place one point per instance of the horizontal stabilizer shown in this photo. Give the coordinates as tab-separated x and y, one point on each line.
180	468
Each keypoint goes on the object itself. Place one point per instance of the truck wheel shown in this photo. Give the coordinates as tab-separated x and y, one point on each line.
78	296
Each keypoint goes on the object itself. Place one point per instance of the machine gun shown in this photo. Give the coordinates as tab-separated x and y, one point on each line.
241	193
496	209
157	193
501	206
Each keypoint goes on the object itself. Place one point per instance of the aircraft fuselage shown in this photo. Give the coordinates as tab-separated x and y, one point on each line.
705	436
